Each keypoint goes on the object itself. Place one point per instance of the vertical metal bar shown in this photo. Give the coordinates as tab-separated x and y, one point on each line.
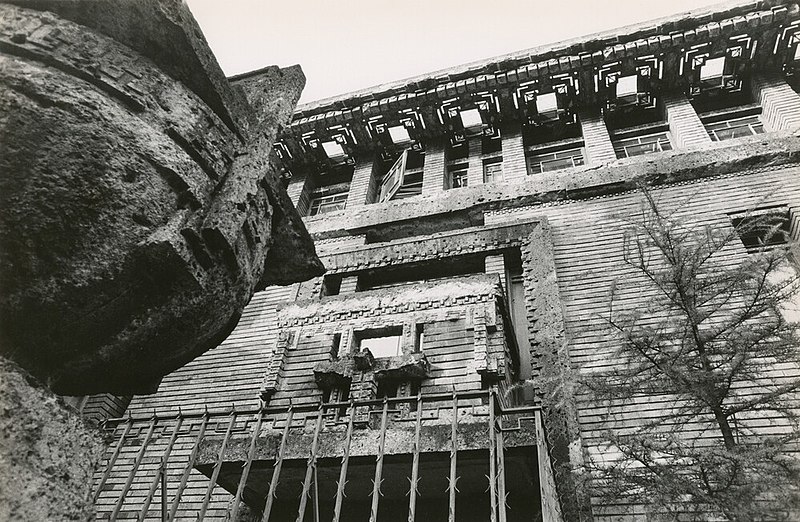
164	491
337	509
132	474
376	483
451	511
412	493
501	476
310	466
217	466
189	467
156	479
316	496
492	464
251	453
112	460
276	471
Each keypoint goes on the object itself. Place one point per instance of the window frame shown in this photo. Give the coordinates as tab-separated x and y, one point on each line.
538	158
318	200
642	139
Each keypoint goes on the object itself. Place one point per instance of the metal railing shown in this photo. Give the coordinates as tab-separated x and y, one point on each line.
150	469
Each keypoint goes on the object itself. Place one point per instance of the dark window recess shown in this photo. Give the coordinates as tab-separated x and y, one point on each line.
337	340
417	272
763	228
550	132
633	118
717	99
490	145
331	285
387	388
457	152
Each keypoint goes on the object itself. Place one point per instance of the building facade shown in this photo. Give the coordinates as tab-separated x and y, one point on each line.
471	222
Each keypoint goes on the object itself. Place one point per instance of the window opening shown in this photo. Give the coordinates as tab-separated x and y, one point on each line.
557	160
404	177
458	175
493	170
763	228
382	347
640	145
413	273
735	128
323	204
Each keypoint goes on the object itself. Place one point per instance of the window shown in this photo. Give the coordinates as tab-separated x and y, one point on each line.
551	161
458	175
322	204
404	178
763	228
333	150
493	170
639	145
712	69
735	128
382	347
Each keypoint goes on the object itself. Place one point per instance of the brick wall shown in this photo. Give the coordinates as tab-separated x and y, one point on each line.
596	139
686	129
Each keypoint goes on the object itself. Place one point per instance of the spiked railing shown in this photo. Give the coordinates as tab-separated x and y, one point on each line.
174	442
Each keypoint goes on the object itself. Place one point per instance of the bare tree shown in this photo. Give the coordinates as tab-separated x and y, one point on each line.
712	335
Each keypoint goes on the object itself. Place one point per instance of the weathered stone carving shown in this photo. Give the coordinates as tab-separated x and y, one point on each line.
138	209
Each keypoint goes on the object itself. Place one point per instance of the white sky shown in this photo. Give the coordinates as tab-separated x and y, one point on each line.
347	45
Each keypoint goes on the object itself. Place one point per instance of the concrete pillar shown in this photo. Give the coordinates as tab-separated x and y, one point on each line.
514	168
475	168
433	170
496	265
360	183
685	127
596	139
780	104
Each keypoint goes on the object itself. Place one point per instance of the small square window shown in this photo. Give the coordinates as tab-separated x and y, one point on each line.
471	118
382	347
547	103
399	135
333	150
492	171
713	68
627	86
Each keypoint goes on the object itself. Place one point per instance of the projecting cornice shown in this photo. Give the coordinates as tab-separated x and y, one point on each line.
552	83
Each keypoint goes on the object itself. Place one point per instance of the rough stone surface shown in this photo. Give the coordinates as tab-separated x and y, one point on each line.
48	454
137	218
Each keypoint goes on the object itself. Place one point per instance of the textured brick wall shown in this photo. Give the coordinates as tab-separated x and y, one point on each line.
475	169
587	252
362	183
433	171
596	139
685	128
780	104
514	169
